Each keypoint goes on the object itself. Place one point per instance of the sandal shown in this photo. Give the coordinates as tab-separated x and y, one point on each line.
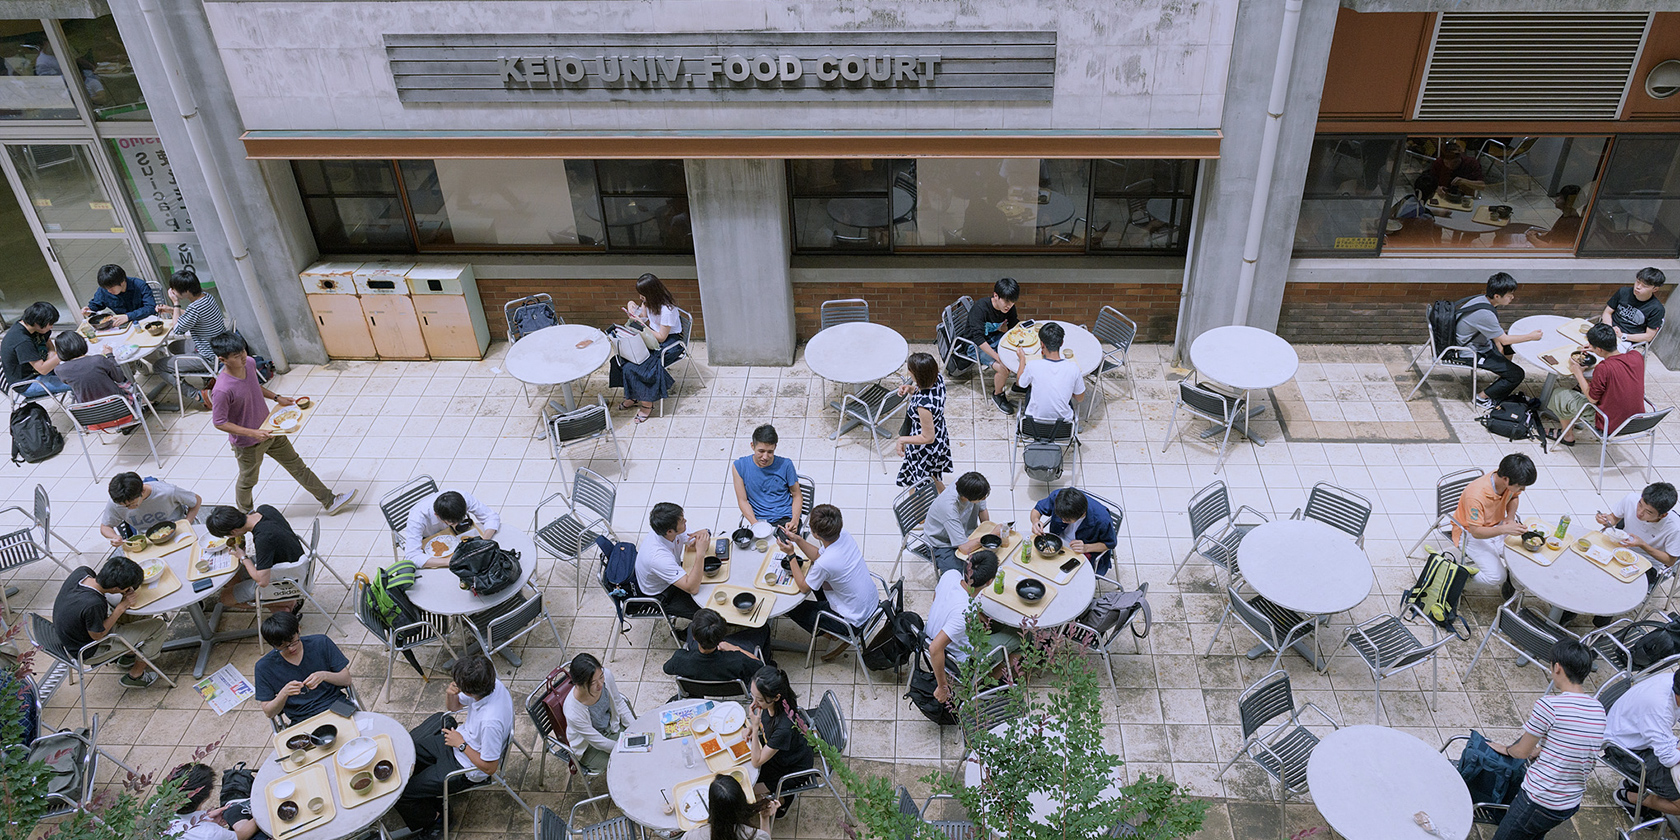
643	415
1556	436
626	405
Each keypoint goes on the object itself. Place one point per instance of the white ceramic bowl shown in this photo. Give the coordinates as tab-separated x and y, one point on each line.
283	789
357	753
153	571
762	529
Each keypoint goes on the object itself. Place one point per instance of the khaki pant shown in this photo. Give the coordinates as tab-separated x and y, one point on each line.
147	634
280	449
1565	402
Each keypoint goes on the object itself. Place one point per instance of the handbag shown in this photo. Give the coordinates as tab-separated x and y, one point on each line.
631	347
649	337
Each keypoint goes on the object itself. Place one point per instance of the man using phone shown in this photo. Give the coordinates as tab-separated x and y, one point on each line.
442	746
659	569
836	576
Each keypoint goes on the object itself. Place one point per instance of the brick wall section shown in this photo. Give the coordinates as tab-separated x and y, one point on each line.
1392	313
913	308
593	302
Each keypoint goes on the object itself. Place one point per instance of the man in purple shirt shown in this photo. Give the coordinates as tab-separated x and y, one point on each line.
238	409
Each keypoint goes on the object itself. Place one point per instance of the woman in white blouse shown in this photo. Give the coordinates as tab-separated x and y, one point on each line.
595	713
647	381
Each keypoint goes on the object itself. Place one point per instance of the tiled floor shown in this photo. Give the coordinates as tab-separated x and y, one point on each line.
466	424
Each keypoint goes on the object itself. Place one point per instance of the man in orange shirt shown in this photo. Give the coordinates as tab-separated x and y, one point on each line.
1487	514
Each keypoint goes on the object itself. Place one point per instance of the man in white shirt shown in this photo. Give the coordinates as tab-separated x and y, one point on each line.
1650	526
443	745
1055	382
452	511
836	577
659	570
947	625
1642	722
953	516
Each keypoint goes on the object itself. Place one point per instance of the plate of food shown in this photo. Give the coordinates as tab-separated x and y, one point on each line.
442	545
216	545
711	746
152	570
1623	556
693	806
728	718
286	418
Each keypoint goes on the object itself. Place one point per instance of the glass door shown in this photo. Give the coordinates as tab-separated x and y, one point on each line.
64	197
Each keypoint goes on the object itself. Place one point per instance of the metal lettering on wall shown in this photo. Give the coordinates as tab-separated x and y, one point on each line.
733	66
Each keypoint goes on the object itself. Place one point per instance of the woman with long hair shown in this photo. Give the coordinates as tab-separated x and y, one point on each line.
779	746
927	449
646	381
729	815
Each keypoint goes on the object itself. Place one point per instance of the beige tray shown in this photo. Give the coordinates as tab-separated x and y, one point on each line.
1562	356
726	608
311	782
1626	574
184	537
226	556
346	730
727	760
1048	568
704	782
1482	216
1545	556
166	584
1012	574
691	555
138	336
1575	329
772	566
1440	203
352	798
303	418
1011	541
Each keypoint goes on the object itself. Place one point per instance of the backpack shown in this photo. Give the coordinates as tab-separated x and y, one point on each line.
530	317
387	594
1113	609
1438	588
922	685
34	439
895	642
618	576
1042	459
1517	419
237	783
1490	776
1660	641
1443	317
484	566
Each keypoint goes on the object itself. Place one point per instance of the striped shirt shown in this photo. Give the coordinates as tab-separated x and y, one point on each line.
1571	729
203	320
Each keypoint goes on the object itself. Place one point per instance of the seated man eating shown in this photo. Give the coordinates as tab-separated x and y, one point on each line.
137	504
835	576
767	485
452	511
273	543
128	298
1085	528
1616	391
713	659
303	675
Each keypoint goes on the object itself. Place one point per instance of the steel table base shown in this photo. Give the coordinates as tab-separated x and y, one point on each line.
207	636
1253	412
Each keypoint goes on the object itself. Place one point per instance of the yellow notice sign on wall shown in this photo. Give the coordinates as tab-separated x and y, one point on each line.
1356	242
99	205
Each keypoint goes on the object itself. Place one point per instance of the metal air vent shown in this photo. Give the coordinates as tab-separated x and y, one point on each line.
1513	66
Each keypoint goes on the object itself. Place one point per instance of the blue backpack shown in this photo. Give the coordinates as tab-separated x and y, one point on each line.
618	575
1490	776
531	317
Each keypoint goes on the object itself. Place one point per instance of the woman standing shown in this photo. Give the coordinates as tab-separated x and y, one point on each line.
729	815
596	713
927	449
647	380
779	746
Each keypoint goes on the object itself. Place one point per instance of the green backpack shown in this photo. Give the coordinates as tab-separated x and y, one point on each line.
387	594
1438	589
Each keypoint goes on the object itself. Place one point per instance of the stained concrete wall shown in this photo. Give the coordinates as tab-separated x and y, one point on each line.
742	242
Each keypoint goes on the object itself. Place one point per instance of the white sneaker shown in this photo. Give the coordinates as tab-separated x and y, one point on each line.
1484	404
340	502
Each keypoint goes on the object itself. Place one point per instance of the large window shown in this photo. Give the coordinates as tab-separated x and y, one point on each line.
103	69
992	205
1366	195
31	83
501	205
1638	207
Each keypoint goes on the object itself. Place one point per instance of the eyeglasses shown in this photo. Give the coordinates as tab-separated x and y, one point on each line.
297	641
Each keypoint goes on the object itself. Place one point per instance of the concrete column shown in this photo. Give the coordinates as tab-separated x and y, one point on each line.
742	243
1216	255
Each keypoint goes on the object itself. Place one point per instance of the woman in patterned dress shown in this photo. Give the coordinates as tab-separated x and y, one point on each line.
927	449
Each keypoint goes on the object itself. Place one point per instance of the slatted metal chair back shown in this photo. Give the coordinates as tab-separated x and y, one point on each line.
548	825
712	689
906	805
1613	689
1114	329
1639	424
45	636
1256	620
112	409
807	496
847	311
911	506
1060	431
830	724
1266	702
1528	632
505	628
563	536
1209	507
989	708
1205	403
1450	487
952	320
575	425
397	503
535	310
18	548
595	494
1115	512
1339	508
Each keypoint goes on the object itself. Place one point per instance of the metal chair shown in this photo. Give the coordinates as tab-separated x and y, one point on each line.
681	350
616	828
1100	637
1029	431
948	340
536	310
109	414
1116	515
551	728
645	608
1113	330
1448	489
1524	631
597	496
547	825
872	407
1282	751
1619	759
17	549
830	722
44	635
15	393
41	517
86	771
950	829
713	689
829	624
847	311
1456	355
1276	628
807	781
397	504
1642	425
296	580
1341	509
1388	647
1614	643
509	621
1210	405
586	423
403	638
184	365
568	535
1215	530
987	710
498	778
910	510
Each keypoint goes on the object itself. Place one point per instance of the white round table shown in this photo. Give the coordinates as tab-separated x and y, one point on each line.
1246	358
1572	583
193	602
1368	781
550	356
1087	351
636	779
855	354
1072	600
347	821
871	212
1530	351
743	571
1305	566
438	591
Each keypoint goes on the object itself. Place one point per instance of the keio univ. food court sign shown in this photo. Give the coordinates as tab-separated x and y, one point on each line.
734	66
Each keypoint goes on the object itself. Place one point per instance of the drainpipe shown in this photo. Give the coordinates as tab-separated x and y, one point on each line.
1268	158
163	43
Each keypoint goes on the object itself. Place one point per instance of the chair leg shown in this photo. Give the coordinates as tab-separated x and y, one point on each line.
1479	649
1172	424
1221	626
88	455
1376	697
1426	534
66	543
1181	564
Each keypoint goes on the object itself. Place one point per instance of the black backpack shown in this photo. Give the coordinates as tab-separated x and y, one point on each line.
485	567
1517	419
237	783
898	637
1660	641
922	685
34	439
1444	315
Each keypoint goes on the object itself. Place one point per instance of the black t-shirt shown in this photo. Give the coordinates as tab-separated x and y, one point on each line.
18	349
793	753
79	611
273	540
984	320
715	666
1632	315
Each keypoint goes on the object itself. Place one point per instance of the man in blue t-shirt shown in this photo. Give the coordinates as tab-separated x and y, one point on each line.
303	675
767	487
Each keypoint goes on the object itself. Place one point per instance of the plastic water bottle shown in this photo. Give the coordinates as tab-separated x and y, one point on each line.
1563	527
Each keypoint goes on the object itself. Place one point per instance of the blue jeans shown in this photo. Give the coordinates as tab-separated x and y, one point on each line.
1528	821
45	384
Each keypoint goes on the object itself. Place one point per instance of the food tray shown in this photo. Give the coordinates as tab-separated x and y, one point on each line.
138	336
692	555
756	617
736	751
784	579
1600	556
1440	201
1048	568
311	782
221	563
1483	217
304	414
703	783
1575	329
1562	356
346	730
1011	541
166	584
1012	574
352	799
1545	556
184	536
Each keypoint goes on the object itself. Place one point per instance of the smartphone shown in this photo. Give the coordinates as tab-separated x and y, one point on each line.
639	741
1072	564
1028	324
202	584
722	549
